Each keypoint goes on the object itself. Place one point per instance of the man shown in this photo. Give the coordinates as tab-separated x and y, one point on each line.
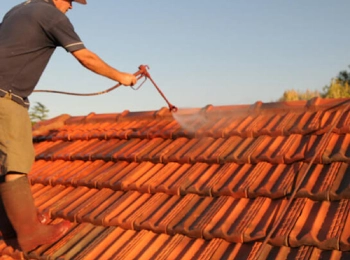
29	34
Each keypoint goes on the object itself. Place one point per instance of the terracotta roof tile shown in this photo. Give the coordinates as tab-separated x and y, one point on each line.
209	183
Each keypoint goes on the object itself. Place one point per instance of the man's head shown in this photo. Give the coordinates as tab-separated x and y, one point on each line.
65	5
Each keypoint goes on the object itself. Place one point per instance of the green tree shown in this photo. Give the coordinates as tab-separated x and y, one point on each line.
38	113
344	76
339	88
293	95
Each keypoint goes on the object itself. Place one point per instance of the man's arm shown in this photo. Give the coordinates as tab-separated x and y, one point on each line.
94	63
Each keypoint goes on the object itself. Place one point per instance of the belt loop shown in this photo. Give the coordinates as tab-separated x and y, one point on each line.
9	94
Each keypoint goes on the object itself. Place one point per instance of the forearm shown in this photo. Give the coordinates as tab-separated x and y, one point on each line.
94	63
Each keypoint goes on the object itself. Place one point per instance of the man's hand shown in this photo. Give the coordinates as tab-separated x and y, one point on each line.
127	79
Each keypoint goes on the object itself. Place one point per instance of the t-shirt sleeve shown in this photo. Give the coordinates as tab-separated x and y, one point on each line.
64	34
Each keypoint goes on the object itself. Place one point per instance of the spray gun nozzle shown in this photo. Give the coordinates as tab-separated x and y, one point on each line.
143	71
173	108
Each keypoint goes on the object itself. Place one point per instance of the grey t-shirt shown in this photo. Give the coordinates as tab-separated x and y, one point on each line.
29	34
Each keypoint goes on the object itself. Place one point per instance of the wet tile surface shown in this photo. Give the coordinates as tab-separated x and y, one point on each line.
261	181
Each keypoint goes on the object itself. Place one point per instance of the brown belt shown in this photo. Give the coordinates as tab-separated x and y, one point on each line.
14	97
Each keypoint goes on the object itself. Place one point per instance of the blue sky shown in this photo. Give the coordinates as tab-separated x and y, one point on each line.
200	52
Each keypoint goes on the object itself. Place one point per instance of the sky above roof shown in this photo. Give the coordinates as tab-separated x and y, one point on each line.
199	52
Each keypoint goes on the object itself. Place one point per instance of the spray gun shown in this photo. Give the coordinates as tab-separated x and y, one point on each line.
142	72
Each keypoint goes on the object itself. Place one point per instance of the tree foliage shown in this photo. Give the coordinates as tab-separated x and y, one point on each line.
339	88
293	95
38	113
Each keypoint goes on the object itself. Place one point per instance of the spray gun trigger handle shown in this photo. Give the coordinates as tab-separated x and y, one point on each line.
139	77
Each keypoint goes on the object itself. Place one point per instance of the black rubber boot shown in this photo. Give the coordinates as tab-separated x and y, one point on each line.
6	228
19	205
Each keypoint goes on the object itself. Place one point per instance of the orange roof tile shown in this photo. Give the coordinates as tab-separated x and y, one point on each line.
261	181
